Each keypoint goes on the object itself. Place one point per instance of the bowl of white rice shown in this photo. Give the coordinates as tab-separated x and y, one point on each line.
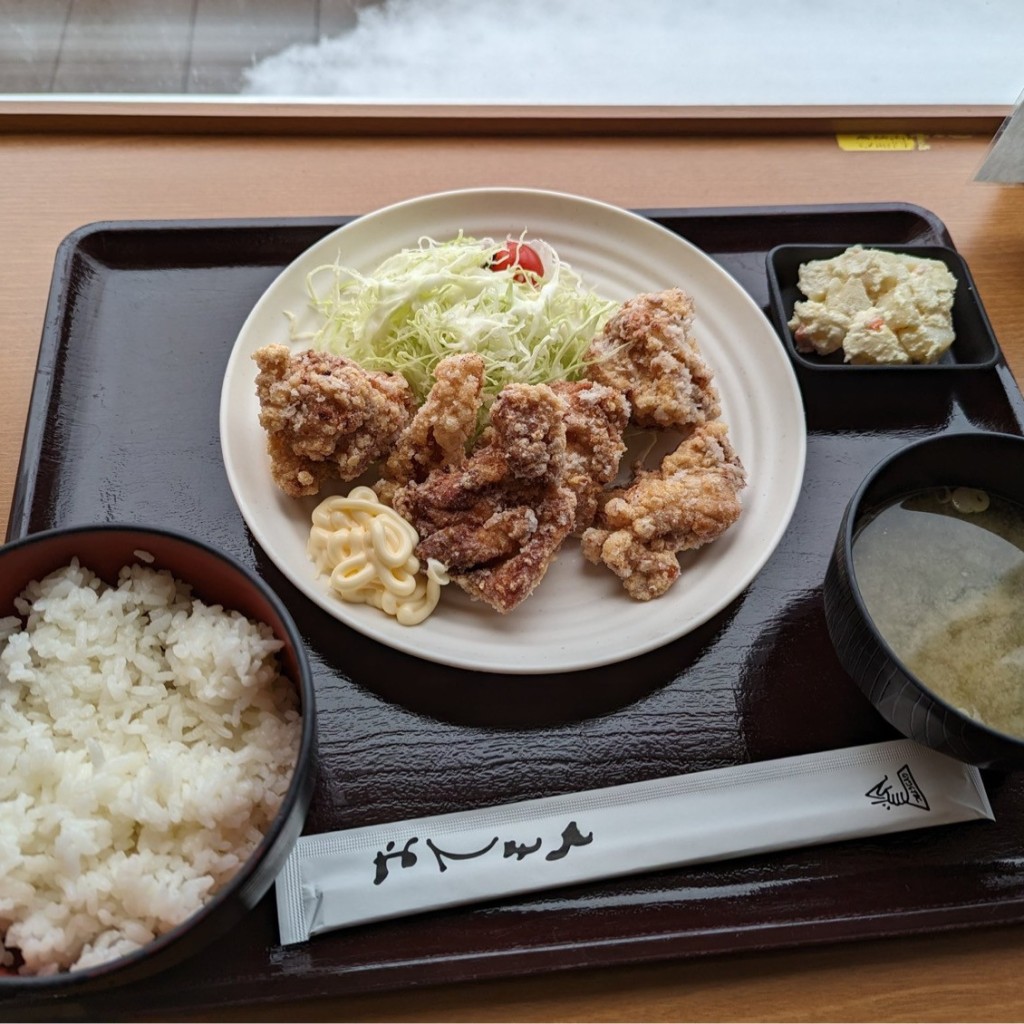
157	751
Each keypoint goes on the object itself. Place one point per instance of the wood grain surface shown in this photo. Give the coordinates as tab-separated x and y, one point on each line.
54	183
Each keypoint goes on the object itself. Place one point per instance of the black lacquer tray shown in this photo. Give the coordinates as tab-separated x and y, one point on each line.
123	426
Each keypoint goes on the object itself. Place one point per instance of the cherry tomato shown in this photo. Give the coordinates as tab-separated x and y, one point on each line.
521	255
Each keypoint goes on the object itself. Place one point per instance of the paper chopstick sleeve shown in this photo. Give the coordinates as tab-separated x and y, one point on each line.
339	879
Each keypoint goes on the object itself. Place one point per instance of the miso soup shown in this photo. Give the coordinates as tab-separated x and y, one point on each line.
942	575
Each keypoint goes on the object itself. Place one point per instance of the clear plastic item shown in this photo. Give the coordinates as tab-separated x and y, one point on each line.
339	879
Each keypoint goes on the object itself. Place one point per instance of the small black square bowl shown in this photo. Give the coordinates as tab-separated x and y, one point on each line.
989	461
974	347
217	579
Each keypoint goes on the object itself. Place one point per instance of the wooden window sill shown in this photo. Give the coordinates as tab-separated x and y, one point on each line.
245	116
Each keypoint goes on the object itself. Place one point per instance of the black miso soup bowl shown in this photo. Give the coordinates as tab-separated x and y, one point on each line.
216	578
989	461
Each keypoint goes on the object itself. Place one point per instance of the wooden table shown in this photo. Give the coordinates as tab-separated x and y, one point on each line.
54	181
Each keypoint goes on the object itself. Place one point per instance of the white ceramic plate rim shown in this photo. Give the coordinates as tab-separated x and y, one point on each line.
579	617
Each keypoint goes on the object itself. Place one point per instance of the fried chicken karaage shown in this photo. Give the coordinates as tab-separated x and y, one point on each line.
595	418
437	435
497	520
689	501
325	416
648	353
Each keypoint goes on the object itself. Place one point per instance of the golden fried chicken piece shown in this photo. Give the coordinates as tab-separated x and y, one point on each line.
497	521
437	435
689	501
526	435
647	352
325	416
596	417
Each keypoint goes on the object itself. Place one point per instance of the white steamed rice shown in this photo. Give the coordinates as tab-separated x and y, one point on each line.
146	743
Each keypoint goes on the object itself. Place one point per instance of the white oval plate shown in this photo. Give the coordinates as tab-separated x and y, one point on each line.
579	617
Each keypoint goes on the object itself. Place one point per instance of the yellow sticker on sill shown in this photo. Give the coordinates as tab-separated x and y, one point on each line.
886	143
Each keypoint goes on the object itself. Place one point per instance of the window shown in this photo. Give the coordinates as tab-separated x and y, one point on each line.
591	52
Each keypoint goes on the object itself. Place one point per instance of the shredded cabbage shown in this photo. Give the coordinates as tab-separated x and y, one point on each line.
424	304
